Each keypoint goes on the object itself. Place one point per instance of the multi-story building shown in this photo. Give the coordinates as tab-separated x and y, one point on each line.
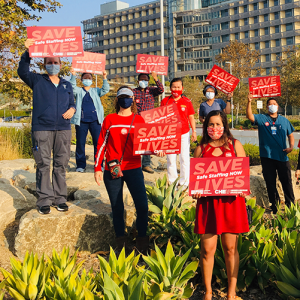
195	31
122	33
269	26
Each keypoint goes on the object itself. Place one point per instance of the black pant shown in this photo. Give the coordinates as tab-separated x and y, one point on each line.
270	168
135	182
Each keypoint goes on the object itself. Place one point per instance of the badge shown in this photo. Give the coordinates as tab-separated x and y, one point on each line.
124	131
273	129
267	123
137	100
228	154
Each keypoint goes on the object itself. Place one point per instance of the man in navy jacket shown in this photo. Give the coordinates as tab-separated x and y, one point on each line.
53	107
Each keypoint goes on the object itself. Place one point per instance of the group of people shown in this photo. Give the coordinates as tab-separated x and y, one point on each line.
54	109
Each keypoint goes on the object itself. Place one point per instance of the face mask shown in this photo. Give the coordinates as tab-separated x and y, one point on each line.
52	69
215	132
177	93
273	108
87	82
125	102
210	95
143	84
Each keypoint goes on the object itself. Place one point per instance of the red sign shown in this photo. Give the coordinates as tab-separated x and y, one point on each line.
90	62
164	114
222	80
151	138
268	86
219	176
55	41
152	63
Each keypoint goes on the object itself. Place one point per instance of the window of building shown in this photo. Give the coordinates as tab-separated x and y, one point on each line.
246	34
276	2
288	26
267	56
278	55
290	40
224	13
236	23
267	44
246	22
277	42
266	18
245	8
268	71
288	13
255	6
236	10
100	23
266	4
237	35
277	29
288	1
256	32
276	15
256	45
267	30
255	19
100	43
224	25
225	38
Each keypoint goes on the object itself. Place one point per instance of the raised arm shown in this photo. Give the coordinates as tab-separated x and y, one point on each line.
227	108
73	82
155	91
249	113
105	87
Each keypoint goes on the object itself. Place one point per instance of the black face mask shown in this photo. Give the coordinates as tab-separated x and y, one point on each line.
125	102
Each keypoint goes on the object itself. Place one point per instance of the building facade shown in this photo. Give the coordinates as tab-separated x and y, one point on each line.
269	26
195	31
124	33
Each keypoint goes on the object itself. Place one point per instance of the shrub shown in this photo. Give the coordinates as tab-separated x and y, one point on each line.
252	151
16	113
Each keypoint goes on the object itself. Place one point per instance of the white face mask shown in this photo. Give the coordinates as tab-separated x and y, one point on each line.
273	108
143	84
210	95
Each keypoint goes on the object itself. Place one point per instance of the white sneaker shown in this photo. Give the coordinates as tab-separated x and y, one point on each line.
81	170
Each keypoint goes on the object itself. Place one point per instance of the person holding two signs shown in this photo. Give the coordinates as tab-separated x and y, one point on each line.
219	215
273	130
89	114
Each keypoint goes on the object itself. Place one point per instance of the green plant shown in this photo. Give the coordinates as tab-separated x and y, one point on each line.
286	268
168	273
28	279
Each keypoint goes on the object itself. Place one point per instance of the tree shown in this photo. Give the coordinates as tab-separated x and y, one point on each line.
193	90
289	70
243	60
13	16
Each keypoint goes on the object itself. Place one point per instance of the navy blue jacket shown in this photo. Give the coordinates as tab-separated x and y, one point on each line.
49	102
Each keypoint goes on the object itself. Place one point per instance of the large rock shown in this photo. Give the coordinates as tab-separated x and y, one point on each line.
24	179
11	168
87	226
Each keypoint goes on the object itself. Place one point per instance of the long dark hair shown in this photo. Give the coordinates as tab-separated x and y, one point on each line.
117	105
226	135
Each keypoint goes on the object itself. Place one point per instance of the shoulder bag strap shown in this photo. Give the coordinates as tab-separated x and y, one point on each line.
233	144
127	139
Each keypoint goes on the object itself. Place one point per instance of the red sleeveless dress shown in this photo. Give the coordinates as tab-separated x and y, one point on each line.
224	214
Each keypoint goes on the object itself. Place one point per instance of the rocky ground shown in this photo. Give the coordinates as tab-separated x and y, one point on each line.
88	223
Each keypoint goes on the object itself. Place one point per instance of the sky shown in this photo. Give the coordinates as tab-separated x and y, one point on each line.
74	11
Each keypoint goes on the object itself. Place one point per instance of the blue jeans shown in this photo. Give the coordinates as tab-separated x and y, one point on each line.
81	134
135	182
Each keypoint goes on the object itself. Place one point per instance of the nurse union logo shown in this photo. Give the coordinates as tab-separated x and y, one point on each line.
124	131
267	123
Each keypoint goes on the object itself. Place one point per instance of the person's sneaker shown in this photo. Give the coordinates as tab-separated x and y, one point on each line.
44	210
148	170
61	207
81	170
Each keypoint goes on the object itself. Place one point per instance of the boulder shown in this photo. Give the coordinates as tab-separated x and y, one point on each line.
11	168
24	179
87	226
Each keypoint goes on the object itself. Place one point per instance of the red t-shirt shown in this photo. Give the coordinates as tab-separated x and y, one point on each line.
112	140
185	108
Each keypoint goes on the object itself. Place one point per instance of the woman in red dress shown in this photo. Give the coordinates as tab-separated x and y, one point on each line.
223	215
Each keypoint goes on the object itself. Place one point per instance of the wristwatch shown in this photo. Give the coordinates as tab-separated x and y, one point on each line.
228	100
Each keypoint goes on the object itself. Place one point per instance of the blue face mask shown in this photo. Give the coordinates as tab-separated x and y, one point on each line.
52	69
143	84
87	82
125	102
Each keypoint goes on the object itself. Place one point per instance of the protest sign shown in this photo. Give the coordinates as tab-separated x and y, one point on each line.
267	86
164	114
55	41
219	176
222	80
90	62
152	63
151	138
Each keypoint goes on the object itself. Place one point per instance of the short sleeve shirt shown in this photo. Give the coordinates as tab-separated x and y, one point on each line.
205	109
185	108
272	136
